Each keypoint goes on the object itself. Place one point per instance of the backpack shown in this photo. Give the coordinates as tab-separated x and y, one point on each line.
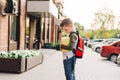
80	46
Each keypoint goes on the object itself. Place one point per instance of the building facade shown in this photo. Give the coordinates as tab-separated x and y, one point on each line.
12	24
28	23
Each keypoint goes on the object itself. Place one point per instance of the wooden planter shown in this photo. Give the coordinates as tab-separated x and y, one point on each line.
12	65
19	65
33	61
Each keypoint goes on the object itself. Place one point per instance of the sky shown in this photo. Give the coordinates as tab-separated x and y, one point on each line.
82	11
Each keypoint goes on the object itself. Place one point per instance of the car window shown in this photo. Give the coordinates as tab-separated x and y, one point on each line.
119	45
95	41
109	42
115	45
98	40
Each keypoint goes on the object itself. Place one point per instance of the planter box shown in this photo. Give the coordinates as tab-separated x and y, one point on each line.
19	65
12	65
33	61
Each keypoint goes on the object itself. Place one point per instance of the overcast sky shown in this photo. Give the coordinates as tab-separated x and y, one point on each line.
82	11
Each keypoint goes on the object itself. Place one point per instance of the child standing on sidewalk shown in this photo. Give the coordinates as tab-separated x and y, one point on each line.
69	57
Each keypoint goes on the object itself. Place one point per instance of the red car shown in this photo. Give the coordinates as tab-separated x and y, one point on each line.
111	51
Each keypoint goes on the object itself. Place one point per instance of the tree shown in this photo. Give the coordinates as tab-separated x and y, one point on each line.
78	26
104	19
118	22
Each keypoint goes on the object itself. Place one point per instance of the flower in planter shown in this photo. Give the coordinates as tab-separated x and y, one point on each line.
28	53
3	54
0	54
31	53
12	54
20	54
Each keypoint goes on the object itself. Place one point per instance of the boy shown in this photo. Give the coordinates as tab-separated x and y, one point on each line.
69	57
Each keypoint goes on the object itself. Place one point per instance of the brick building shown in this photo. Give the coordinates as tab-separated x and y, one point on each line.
12	25
28	22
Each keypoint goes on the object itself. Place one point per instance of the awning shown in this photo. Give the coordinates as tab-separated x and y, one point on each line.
42	6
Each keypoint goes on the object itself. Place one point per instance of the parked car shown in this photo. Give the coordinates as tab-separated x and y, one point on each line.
98	41
97	47
89	43
94	41
85	41
111	51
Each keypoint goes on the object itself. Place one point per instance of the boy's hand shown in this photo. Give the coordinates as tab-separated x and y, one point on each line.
62	46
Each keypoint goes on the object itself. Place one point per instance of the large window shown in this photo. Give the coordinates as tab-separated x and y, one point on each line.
13	27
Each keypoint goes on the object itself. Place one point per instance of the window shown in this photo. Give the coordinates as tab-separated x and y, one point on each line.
119	45
115	45
13	26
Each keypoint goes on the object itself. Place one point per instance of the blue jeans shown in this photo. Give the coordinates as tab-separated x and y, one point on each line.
69	67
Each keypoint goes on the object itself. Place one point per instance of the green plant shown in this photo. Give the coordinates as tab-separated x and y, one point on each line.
20	54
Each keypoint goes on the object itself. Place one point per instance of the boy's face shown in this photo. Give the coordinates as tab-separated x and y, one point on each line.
67	29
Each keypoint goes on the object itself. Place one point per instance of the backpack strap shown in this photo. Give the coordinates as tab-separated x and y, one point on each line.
77	33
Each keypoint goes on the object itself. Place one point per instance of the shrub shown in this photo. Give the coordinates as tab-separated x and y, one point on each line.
19	53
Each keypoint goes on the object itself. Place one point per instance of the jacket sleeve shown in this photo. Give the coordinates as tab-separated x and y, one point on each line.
72	43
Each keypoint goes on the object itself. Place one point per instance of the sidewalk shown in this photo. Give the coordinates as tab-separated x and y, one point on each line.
91	67
51	69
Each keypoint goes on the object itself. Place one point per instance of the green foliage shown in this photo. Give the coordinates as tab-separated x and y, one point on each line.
108	34
82	33
52	45
104	19
79	27
19	54
103	25
102	34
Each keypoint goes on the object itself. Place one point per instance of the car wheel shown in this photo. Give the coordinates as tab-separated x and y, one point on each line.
97	50
89	45
113	58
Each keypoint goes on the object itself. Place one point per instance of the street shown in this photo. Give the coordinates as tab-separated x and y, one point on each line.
91	67
94	67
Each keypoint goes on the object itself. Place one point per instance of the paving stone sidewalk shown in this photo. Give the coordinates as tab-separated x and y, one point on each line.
51	69
91	67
